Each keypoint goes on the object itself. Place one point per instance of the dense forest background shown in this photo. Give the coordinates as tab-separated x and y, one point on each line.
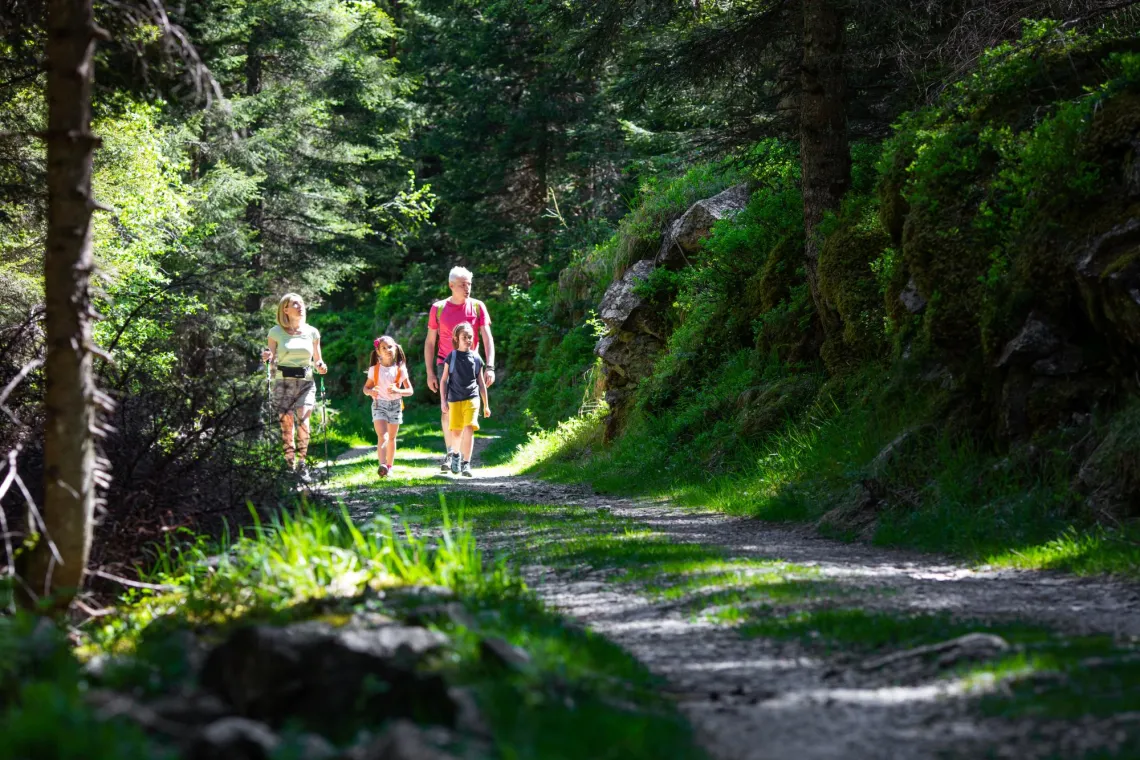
913	315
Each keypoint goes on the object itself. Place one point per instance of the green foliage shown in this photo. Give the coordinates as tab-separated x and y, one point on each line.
638	236
1006	166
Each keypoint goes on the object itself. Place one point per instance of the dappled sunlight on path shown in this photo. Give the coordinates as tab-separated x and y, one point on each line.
767	635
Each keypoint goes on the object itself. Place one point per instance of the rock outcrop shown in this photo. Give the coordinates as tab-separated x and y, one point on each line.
636	325
684	236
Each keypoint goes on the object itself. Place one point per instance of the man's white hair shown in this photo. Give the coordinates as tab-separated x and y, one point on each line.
458	272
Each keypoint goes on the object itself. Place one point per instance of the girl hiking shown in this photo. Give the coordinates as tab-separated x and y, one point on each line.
463	383
387	385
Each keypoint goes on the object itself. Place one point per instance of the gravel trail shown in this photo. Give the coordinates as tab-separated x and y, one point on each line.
760	698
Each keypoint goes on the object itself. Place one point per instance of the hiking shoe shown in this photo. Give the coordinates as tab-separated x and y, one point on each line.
382	471
303	473
445	465
455	463
465	468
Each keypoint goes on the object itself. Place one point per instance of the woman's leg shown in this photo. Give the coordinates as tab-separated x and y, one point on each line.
392	431
467	442
287	437
303	433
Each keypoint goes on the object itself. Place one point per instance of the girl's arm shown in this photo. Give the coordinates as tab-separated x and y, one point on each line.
406	388
481	380
443	388
369	385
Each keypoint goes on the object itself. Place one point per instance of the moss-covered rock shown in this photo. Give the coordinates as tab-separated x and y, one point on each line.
848	283
764	409
778	304
1111	475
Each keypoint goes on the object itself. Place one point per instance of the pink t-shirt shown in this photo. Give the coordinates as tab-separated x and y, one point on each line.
453	314
384	377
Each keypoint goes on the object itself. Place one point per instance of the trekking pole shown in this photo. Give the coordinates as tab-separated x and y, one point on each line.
325	424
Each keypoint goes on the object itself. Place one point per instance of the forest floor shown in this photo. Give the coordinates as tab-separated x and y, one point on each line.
776	642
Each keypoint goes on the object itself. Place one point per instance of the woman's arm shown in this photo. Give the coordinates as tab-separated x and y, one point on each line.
270	354
317	360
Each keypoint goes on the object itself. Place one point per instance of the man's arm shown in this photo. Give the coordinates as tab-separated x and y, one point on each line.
429	358
480	380
489	350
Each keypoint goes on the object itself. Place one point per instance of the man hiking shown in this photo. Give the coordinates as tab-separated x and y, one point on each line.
442	320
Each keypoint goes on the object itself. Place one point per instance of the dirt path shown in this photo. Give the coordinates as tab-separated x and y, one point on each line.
753	698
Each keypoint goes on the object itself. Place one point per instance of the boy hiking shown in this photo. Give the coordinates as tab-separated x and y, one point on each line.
388	385
463	384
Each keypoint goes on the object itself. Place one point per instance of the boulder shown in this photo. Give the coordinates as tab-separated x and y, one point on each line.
1035	340
500	653
911	299
234	739
326	678
684	236
628	355
404	740
1109	278
620	300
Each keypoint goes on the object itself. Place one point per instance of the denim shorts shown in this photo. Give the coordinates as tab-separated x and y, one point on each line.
388	411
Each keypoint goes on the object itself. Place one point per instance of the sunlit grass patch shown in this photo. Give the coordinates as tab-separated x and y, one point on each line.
833	628
1085	552
1065	680
310	554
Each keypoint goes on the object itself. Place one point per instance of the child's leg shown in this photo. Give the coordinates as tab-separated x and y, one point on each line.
393	429
381	440
467	442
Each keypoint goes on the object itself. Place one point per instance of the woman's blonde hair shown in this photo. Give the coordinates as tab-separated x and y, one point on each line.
285	299
462	328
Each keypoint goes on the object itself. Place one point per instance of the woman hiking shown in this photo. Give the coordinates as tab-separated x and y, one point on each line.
388	385
294	351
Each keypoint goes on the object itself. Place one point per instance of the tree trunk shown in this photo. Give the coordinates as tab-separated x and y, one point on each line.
254	210
57	563
824	151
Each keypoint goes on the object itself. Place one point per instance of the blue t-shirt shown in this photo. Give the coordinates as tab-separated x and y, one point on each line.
463	367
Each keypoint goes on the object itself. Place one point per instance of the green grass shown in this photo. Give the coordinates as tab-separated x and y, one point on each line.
580	696
943	493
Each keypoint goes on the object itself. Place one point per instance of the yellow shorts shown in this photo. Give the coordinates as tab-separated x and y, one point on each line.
460	414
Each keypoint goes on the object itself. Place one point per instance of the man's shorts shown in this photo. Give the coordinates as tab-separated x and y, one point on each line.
293	394
391	412
460	414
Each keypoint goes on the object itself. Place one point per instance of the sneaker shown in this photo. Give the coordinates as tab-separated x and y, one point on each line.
382	471
445	465
454	463
303	473
465	468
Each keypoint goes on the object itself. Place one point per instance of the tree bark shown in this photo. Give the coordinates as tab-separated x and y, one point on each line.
824	150
254	210
55	567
